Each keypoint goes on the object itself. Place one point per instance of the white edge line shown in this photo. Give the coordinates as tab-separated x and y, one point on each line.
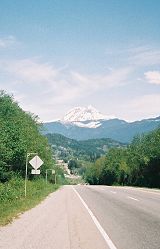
132	198
100	228
113	192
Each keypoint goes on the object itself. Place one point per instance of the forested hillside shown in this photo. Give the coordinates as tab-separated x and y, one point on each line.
137	165
19	135
88	150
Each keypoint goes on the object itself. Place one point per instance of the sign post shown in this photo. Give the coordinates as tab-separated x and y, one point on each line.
27	156
36	162
53	173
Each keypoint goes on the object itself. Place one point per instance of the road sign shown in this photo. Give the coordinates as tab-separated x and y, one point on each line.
36	162
53	172
35	172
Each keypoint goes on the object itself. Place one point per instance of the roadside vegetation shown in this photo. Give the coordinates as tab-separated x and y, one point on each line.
12	197
19	135
137	165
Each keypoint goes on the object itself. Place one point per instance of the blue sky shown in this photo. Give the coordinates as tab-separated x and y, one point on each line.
55	55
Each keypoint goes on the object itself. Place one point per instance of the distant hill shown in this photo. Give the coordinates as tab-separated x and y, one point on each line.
87	150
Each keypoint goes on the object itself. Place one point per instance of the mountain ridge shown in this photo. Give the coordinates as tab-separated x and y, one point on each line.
117	129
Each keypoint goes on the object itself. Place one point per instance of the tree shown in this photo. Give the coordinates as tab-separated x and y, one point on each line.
20	133
138	164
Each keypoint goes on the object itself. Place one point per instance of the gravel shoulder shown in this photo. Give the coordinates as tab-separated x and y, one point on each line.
60	222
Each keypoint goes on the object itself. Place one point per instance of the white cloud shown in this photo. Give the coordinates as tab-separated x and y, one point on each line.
113	78
144	107
30	70
8	41
40	87
47	90
139	56
153	77
138	108
148	57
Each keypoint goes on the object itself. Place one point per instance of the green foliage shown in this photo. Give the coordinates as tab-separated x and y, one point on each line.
88	150
138	164
12	190
76	167
12	197
72	164
19	135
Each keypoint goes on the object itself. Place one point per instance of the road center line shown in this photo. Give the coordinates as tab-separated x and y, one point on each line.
132	198
98	225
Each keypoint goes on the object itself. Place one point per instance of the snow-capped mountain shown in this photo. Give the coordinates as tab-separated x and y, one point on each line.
83	123
88	117
84	114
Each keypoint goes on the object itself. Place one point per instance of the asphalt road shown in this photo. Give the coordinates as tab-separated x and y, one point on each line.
89	217
130	216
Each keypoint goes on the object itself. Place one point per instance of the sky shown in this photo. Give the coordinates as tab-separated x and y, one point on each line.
59	54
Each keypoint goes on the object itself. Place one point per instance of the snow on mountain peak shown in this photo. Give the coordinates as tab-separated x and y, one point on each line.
81	114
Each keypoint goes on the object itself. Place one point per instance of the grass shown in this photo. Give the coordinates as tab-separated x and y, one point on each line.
13	201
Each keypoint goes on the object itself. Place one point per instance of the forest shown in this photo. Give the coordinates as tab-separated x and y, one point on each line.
86	150
136	165
19	135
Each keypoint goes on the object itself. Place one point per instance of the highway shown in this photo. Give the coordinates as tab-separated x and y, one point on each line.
130	216
89	217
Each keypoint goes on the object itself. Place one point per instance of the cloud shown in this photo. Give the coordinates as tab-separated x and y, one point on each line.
138	108
8	41
29	70
139	56
145	106
147	57
40	86
153	77
112	79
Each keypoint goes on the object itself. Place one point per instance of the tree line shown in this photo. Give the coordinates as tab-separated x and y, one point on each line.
138	164
19	134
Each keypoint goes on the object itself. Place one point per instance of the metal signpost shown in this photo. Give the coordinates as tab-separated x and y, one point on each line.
36	162
53	173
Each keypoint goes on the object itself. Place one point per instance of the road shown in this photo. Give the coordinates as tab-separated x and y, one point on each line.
89	217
